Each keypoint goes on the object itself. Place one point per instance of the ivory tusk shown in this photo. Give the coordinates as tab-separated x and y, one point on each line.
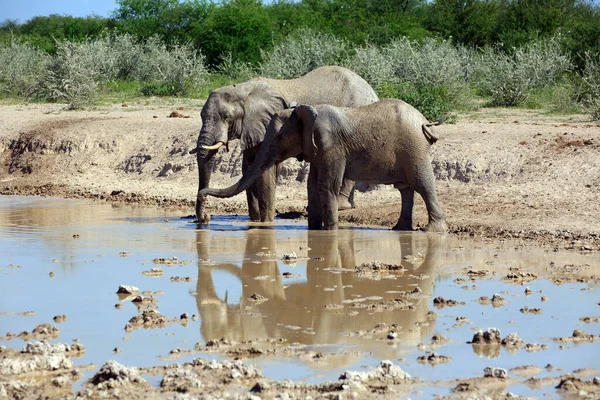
215	146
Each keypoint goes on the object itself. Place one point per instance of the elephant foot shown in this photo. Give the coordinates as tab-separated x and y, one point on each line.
437	226
203	220
344	204
403	226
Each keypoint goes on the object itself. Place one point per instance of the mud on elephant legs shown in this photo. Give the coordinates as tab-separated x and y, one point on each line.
406	214
315	217
329	182
261	194
425	186
346	196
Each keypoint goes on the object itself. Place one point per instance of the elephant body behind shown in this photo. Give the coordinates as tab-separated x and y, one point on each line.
332	85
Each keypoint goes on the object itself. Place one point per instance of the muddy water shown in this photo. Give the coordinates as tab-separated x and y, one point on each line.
316	302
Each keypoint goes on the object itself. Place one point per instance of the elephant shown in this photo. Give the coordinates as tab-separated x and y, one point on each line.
243	111
387	142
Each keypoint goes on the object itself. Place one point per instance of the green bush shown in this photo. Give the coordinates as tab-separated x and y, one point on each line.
591	89
301	52
510	78
73	76
178	69
429	75
432	101
21	68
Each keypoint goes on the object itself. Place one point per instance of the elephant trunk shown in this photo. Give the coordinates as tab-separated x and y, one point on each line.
205	166
264	160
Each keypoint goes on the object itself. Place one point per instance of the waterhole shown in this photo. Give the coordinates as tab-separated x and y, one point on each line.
301	305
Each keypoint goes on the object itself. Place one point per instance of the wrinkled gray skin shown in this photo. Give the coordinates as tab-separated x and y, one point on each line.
243	111
383	143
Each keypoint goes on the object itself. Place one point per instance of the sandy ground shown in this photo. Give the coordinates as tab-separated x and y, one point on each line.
501	172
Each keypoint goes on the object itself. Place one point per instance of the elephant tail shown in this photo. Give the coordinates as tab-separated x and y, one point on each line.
428	132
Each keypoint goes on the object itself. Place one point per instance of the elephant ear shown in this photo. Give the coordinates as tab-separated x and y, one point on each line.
307	116
260	105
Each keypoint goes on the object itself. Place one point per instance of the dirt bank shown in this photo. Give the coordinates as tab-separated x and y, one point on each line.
501	172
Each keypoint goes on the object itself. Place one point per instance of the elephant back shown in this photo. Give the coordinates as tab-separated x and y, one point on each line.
332	85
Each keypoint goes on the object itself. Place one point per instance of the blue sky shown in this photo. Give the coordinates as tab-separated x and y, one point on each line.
22	10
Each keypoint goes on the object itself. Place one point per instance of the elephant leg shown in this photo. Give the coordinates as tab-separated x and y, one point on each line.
406	214
315	217
266	185
329	187
252	194
346	196
425	186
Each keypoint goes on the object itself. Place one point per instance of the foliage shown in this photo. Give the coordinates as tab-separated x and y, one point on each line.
591	79
73	75
237	27
302	52
510	78
21	68
428	75
432	101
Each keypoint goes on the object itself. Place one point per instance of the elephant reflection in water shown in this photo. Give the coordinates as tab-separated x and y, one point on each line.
317	310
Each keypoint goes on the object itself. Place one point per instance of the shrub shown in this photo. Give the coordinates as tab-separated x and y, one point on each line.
429	76
435	63
591	79
178	69
74	75
301	52
21	68
432	101
371	63
510	78
236	70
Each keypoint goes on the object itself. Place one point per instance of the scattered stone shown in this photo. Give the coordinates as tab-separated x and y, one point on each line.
59	319
127	289
533	347
498	301
433	359
377	266
527	310
513	340
154	272
392	335
257	298
490	336
490	372
181	380
519	277
182	279
290	256
114	375
386	372
124	254
463	387
51	274
440	302
119	306
177	114
590	320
